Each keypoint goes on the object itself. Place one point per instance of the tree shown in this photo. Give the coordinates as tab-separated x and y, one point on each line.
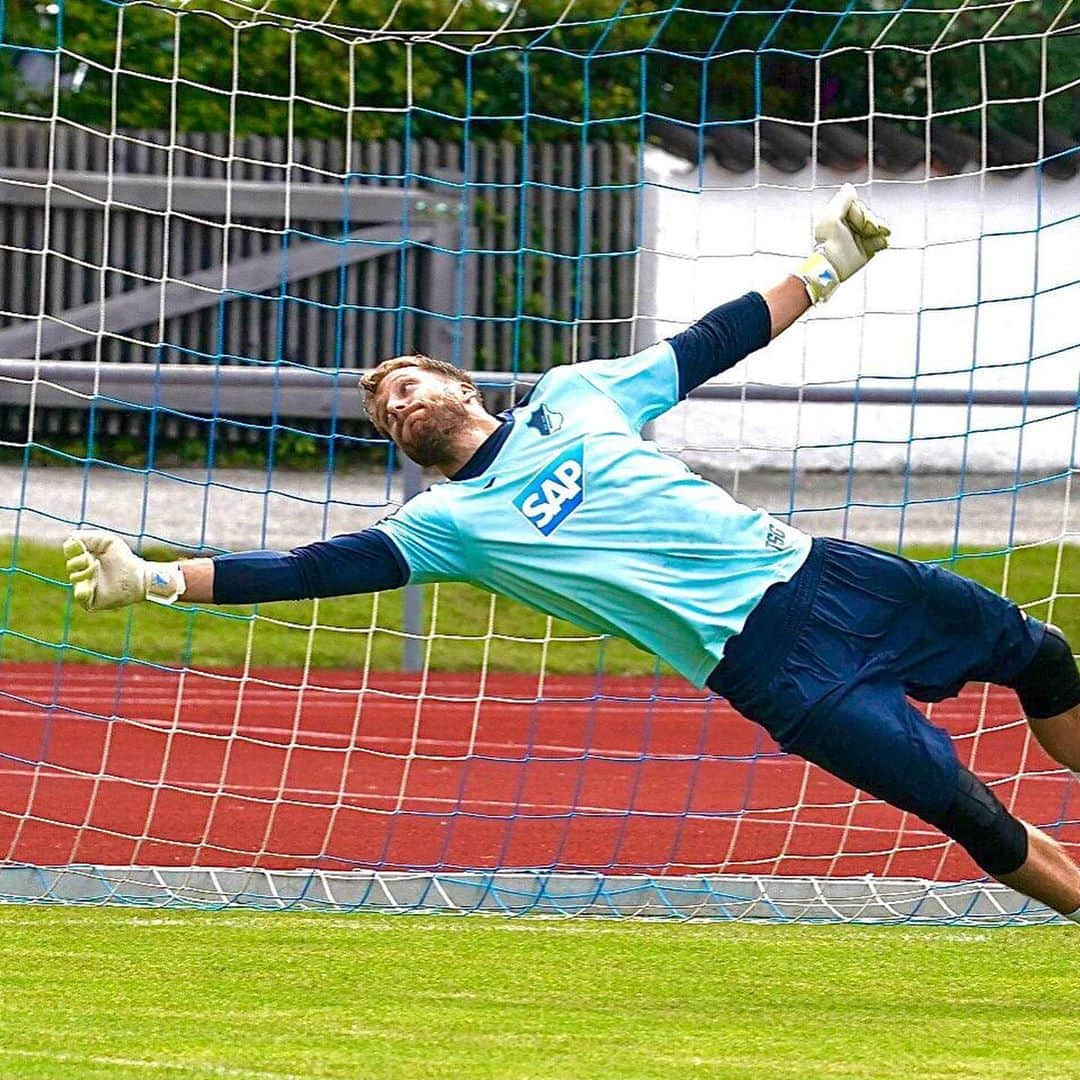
547	69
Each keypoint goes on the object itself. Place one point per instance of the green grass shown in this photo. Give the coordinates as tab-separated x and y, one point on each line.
37	617
118	993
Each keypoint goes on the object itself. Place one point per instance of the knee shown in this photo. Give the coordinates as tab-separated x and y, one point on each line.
1050	684
979	823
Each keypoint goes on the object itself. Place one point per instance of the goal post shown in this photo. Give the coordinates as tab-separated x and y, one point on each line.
217	214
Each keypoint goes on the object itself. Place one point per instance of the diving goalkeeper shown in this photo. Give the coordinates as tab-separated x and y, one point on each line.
560	504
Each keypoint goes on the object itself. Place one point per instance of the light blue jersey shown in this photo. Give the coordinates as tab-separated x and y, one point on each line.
580	517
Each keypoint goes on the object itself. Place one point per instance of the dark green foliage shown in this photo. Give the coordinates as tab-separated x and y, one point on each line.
545	73
876	57
342	82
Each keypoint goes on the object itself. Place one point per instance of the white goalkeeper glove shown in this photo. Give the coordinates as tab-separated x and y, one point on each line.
107	574
846	237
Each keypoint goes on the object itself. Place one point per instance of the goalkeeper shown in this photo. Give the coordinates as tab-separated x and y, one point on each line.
560	504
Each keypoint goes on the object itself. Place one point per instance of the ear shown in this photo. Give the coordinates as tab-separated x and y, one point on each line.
371	408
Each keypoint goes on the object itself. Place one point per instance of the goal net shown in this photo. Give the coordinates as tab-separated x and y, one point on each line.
216	213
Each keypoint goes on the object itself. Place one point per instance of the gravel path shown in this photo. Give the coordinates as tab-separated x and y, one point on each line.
240	509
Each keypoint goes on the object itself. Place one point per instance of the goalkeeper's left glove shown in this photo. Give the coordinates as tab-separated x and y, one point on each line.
847	236
107	574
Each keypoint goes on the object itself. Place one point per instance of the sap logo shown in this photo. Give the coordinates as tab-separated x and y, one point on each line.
555	492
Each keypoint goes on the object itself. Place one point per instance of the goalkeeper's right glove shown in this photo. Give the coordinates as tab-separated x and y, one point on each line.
847	236
107	574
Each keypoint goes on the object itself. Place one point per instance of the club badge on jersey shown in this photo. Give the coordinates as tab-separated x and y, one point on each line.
545	420
555	492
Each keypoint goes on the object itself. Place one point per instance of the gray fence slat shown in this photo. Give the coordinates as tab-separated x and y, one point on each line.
390	295
586	201
508	200
526	263
100	160
242	151
10	300
603	176
201	333
324	288
336	152
171	329
84	279
218	146
458	237
546	175
233	319
23	268
152	257
57	230
436	291
382	337
482	169
367	320
122	240
36	145
412	329
566	245
627	209
349	318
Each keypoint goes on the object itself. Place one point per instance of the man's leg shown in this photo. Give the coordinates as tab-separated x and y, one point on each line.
873	738
1049	692
1016	853
1048	874
1059	736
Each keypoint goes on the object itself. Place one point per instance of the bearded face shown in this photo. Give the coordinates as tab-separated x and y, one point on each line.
428	433
424	413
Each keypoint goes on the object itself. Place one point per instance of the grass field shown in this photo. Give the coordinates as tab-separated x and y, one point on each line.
472	630
119	993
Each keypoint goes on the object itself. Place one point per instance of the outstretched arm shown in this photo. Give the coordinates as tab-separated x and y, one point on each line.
198	580
107	574
786	302
846	235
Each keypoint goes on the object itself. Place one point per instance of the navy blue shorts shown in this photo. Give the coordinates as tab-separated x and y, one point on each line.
828	660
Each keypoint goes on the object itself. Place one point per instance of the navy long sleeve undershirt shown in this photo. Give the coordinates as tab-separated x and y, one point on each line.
720	339
359	562
369	561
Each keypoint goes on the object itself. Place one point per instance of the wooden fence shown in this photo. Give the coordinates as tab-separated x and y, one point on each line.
540	242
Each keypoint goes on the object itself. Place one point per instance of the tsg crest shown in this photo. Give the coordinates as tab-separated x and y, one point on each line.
555	492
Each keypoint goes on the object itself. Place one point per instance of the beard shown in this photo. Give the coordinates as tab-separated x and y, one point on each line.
430	438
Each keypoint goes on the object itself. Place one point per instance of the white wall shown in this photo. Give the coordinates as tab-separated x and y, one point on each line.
981	288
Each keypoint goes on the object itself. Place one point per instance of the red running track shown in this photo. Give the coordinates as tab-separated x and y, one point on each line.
123	765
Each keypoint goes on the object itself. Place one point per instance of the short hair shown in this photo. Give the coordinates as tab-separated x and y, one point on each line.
372	380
